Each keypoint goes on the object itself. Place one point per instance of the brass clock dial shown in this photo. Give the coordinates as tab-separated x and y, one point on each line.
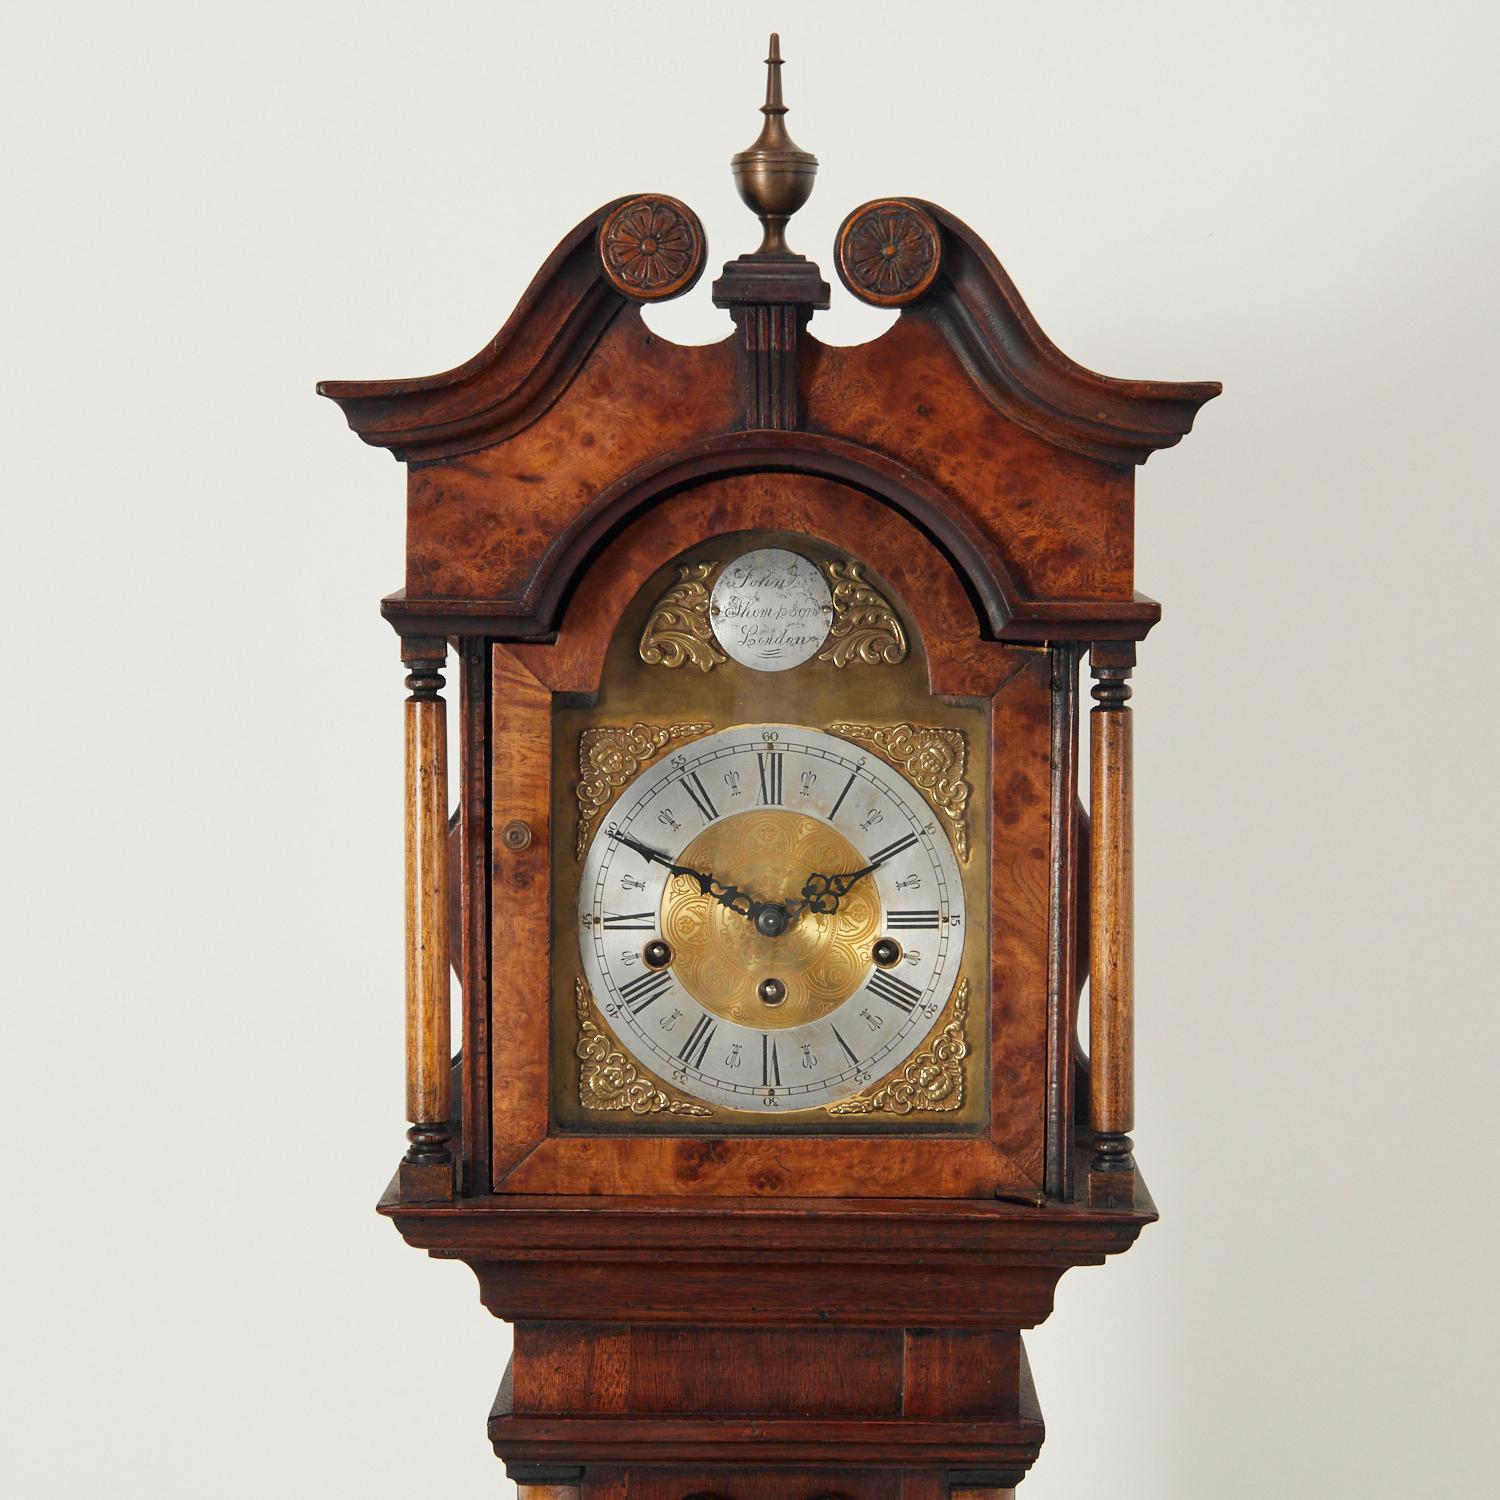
723	960
770	918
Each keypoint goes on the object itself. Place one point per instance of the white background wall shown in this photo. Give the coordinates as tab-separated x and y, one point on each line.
211	206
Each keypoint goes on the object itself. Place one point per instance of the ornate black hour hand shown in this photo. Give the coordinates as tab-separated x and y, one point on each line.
822	893
738	901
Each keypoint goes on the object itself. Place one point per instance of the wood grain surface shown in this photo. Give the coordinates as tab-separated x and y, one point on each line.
426	821
1111	880
520	925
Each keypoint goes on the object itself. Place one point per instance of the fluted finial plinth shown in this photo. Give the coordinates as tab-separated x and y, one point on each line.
772	292
774	175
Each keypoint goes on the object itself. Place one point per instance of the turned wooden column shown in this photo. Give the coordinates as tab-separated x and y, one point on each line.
1111	913
427	1167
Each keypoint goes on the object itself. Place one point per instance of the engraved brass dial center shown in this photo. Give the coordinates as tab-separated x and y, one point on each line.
722	958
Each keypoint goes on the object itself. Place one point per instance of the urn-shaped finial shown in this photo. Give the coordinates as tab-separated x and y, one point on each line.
775	175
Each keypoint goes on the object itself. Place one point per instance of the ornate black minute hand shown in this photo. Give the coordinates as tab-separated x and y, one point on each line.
647	852
738	901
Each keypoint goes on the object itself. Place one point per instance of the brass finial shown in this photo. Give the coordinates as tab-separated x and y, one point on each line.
775	175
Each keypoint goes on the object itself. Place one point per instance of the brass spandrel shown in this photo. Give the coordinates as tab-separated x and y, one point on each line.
609	756
865	626
932	758
608	1079
679	632
933	1080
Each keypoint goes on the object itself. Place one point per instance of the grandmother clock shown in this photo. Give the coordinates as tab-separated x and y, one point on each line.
769	890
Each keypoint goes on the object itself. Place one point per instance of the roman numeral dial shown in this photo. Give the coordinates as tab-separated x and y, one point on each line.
770	919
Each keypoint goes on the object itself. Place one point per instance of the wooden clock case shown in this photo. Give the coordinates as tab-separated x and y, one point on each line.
758	1316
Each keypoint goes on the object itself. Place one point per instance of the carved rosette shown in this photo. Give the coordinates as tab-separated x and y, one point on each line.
609	757
888	252
651	248
607	1079
933	759
865	628
679	632
933	1080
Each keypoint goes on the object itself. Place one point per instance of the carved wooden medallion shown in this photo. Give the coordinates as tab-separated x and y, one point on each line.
888	252
651	248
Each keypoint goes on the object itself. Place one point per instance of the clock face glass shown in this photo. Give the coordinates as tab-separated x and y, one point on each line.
770	859
771	917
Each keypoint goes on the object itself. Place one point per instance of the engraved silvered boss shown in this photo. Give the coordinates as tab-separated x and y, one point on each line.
770	609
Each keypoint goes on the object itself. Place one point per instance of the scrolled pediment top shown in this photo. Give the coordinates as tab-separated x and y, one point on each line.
639	248
911	254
